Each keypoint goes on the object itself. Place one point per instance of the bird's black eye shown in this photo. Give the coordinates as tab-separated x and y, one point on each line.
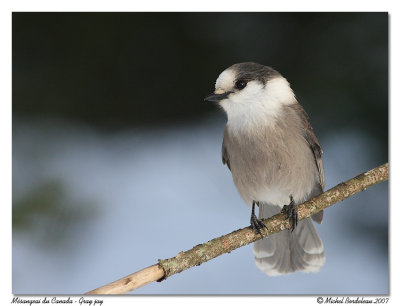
240	84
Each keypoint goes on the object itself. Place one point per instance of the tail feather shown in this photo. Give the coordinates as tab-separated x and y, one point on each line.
287	252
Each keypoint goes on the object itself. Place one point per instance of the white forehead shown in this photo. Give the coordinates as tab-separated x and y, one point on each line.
225	80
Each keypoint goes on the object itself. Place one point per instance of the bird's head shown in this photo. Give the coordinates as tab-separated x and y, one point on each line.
251	92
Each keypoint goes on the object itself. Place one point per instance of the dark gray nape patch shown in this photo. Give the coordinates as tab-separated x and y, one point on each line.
253	71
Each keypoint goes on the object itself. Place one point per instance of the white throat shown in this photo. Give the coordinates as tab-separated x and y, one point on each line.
257	104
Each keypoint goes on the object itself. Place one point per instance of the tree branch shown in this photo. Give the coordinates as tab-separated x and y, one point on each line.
225	244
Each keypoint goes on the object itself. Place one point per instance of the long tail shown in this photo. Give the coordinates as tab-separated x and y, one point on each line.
287	252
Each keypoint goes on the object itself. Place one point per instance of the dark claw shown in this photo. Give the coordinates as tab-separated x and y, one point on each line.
255	223
291	213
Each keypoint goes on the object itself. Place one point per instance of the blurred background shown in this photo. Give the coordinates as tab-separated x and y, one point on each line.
117	159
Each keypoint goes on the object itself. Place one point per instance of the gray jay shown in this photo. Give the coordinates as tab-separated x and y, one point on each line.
275	160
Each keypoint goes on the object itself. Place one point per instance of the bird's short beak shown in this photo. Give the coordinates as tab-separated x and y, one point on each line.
217	97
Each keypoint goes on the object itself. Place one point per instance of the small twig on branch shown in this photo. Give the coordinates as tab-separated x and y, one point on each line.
225	244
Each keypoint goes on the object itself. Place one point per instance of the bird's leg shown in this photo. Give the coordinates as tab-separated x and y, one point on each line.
256	224
291	212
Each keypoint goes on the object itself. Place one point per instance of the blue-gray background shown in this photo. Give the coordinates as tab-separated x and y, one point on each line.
116	158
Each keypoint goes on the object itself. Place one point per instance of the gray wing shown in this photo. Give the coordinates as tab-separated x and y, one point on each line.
225	156
316	148
312	140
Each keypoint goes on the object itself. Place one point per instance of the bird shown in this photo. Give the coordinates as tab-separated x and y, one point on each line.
275	160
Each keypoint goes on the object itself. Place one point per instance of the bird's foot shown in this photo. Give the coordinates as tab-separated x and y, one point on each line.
291	212
255	223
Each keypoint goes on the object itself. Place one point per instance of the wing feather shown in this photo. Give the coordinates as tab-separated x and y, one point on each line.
312	140
225	155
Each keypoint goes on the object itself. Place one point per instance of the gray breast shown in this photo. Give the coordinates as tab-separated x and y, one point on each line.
271	162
